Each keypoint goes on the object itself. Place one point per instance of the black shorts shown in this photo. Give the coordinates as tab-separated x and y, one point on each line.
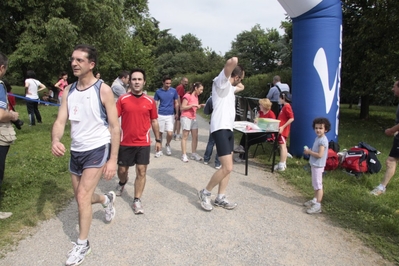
395	148
131	155
95	158
224	140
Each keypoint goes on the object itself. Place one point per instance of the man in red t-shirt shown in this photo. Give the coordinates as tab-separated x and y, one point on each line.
138	114
181	90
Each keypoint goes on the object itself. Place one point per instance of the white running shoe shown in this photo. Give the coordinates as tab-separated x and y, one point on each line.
110	209
77	254
205	200
195	156
184	158
168	150
158	154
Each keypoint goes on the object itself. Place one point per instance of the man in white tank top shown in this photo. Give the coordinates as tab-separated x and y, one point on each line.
89	105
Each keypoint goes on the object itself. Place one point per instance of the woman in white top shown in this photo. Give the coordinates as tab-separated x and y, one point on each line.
32	87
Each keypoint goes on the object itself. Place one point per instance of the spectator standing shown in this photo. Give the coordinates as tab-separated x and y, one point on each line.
317	160
139	113
32	87
286	117
7	132
120	84
208	109
224	86
61	85
189	122
274	94
393	156
168	110
89	105
181	91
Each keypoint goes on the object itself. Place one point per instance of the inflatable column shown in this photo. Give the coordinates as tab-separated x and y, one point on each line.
316	67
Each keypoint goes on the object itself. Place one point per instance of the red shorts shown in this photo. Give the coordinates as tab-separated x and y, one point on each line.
281	139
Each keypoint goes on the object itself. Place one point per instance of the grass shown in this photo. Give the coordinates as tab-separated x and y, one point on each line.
37	185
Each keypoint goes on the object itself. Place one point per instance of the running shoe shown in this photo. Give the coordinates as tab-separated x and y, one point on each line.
110	209
184	158
77	254
158	154
223	202
168	150
195	156
137	208
205	200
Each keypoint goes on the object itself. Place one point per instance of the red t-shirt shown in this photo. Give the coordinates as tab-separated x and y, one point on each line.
136	115
285	114
269	114
180	91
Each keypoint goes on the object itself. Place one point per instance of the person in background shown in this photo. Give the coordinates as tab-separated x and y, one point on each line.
189	122
120	84
224	87
32	87
181	90
286	117
393	156
7	132
168	110
139	113
317	160
95	136
208	109
60	85
255	138
98	76
274	94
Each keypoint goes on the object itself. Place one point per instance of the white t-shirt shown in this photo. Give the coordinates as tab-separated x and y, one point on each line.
223	100
32	89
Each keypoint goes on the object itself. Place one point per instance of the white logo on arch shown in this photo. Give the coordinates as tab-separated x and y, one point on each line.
320	63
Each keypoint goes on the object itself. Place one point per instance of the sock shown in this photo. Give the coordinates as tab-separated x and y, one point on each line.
220	196
82	242
382	187
136	199
206	191
122	184
317	204
314	200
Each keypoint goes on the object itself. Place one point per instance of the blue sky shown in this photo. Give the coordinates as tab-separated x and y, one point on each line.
216	22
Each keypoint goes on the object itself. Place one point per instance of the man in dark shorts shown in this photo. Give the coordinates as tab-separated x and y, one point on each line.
90	107
138	112
224	86
393	157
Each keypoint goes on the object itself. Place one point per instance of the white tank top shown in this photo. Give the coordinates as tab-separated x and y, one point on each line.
89	125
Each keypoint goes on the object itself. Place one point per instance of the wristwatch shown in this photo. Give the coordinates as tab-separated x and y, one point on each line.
158	140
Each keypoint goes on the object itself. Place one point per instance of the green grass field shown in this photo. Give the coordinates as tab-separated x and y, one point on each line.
37	185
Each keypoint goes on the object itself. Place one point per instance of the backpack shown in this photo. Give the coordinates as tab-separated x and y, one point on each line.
332	161
355	161
373	163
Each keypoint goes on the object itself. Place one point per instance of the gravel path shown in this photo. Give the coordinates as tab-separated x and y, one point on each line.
269	226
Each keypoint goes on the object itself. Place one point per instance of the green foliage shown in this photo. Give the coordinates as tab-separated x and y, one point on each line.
369	50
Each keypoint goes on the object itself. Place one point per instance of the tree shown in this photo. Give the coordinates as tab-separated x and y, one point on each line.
46	32
257	50
369	51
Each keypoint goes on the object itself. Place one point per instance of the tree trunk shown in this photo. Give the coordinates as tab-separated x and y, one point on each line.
365	107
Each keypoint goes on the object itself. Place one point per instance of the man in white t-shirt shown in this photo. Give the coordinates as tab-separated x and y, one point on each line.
224	86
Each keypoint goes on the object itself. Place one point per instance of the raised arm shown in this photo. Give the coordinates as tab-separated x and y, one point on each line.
229	66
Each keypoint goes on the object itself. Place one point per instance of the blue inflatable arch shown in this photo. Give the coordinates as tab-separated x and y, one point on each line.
316	67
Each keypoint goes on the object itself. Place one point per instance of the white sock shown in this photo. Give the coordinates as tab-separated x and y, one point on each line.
206	191
82	242
220	196
314	200
381	186
317	204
